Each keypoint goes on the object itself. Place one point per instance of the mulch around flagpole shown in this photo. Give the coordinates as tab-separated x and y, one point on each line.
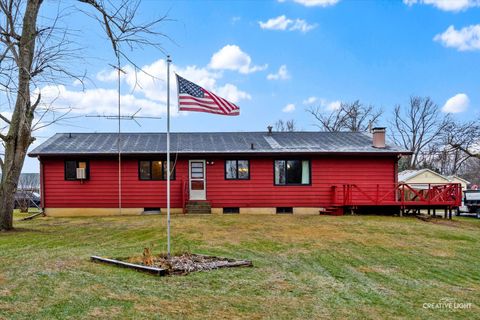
182	264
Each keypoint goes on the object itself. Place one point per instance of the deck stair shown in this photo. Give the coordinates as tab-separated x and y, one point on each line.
198	207
332	211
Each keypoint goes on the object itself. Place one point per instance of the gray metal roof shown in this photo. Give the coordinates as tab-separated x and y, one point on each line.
211	142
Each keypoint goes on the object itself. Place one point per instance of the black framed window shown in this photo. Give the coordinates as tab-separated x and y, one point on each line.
291	172
154	170
237	169
72	172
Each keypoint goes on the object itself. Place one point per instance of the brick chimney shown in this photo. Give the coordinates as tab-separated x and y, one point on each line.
379	137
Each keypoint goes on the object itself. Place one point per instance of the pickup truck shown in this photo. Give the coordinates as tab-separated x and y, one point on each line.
471	199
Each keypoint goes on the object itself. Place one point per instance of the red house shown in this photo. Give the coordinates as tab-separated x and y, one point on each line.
217	172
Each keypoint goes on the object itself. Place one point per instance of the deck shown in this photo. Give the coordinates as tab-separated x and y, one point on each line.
412	196
402	197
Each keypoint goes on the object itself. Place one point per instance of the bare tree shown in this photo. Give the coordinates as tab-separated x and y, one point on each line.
418	126
331	122
355	117
286	126
464	138
448	153
31	54
470	170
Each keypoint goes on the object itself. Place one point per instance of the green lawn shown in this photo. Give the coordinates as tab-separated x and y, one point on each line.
305	267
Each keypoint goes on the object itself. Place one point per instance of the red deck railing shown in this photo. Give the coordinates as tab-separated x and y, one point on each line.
398	194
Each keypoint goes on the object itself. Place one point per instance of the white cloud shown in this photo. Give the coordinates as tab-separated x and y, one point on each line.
333	105
147	90
98	101
231	57
456	104
283	23
317	3
302	26
310	100
465	39
152	82
231	93
446	5
282	74
289	108
278	23
328	105
107	75
154	88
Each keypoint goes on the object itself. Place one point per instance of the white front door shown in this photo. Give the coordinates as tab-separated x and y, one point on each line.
198	190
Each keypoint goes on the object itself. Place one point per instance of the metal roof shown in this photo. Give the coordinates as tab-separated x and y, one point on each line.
211	142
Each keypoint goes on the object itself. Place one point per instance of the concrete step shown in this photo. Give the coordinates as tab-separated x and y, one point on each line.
189	208
198	202
199	211
198	207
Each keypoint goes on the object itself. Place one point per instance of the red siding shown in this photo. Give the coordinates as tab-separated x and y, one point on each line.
101	190
326	171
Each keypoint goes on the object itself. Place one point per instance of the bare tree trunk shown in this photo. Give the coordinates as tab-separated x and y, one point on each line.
19	136
40	52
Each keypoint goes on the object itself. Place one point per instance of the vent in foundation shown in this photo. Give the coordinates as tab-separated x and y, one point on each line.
151	210
231	210
284	210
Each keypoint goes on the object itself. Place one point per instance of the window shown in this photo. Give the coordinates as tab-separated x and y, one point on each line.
154	170
237	169
71	167
292	172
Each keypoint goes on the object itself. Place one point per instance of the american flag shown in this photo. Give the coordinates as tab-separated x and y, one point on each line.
192	97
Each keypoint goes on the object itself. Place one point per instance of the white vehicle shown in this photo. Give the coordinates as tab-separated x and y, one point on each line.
471	199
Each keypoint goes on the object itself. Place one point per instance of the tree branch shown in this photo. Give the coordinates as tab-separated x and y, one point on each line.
468	152
2	117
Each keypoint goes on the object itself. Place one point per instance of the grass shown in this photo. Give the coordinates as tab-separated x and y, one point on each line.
19	215
305	267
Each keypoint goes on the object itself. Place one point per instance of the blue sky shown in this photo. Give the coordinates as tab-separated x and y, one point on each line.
275	58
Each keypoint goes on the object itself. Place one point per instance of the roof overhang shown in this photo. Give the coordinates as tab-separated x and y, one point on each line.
252	154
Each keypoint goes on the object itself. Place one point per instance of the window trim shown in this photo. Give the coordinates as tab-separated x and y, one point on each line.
77	161
286	184
150	161
236	161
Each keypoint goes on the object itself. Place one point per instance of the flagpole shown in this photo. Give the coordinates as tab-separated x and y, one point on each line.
168	155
